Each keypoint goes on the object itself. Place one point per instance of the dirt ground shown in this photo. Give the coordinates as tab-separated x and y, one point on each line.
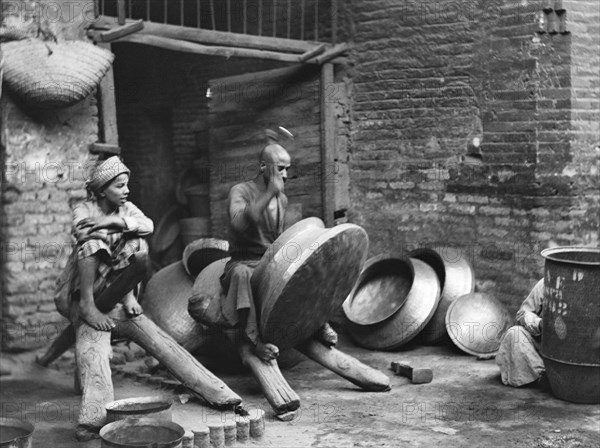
465	406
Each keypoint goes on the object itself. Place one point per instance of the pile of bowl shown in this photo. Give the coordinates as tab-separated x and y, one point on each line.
427	294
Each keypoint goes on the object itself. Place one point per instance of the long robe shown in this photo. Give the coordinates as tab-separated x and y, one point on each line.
518	356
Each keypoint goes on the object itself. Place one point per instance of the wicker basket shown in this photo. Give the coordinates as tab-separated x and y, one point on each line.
51	75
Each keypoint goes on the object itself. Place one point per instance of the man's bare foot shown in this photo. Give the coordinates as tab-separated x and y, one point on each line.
131	305
327	335
265	351
94	318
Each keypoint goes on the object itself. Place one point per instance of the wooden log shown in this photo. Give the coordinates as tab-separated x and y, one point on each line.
346	366
183	366
122	31
276	389
330	54
312	53
211	37
189	47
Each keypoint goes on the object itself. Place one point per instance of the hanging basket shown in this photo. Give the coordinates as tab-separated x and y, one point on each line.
49	74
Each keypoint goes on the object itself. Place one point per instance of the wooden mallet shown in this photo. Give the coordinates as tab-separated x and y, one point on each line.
416	376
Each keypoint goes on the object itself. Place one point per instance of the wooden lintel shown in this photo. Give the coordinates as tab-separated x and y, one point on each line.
190	47
220	38
122	31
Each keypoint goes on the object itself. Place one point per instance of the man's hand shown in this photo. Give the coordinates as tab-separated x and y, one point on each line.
276	184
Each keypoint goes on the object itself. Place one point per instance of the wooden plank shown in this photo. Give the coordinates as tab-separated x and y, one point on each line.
328	134
107	106
220	38
270	75
189	47
122	31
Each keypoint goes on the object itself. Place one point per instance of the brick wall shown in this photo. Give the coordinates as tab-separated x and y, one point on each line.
45	159
429	76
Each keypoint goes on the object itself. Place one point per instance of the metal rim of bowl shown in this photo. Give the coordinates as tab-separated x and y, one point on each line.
16	423
453	337
165	403
370	264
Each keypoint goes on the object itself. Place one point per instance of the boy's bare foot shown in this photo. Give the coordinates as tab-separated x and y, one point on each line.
327	335
95	318
131	305
265	351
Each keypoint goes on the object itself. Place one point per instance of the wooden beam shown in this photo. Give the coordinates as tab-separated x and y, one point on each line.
190	47
220	38
122	31
312	53
271	75
330	54
104	148
107	106
328	134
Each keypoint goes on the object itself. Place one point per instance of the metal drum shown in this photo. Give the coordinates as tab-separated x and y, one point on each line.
456	279
165	301
476	323
142	433
152	407
571	323
15	433
416	296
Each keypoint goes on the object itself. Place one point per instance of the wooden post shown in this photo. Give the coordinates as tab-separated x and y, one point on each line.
245	16
121	12
148	10
316	36
334	20
302	12
260	17
346	366
107	106
212	14
198	14
274	18
289	19
328	131
278	392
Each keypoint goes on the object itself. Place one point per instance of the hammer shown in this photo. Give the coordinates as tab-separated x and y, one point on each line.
416	376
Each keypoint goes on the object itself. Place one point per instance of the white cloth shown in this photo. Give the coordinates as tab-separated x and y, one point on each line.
518	356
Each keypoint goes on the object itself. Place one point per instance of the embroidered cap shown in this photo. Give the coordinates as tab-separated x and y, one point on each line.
105	172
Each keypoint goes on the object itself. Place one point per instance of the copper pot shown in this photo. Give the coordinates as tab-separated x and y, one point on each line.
456	279
476	323
411	317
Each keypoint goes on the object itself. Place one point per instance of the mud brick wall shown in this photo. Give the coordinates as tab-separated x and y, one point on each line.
44	161
428	77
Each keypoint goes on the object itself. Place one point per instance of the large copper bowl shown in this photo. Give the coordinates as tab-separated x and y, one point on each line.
476	323
165	301
381	289
456	279
403	325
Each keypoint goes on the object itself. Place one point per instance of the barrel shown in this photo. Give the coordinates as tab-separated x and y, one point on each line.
571	323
